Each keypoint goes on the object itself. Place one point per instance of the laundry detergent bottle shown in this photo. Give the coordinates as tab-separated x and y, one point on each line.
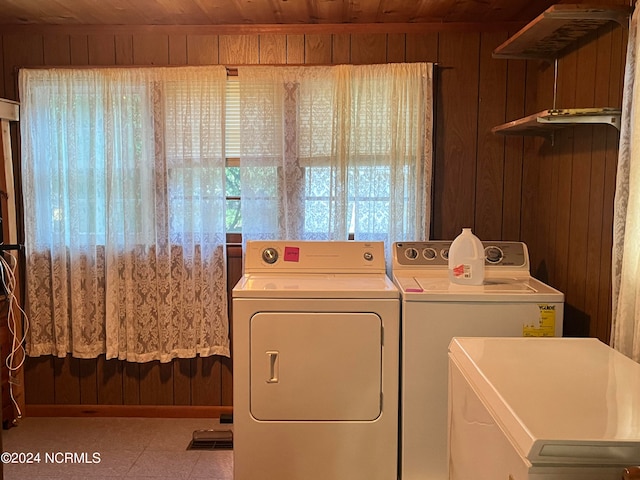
466	259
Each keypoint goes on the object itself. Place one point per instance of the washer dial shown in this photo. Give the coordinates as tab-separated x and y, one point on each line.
493	254
429	253
411	253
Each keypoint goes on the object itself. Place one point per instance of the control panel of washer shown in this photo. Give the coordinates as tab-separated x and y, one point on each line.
436	254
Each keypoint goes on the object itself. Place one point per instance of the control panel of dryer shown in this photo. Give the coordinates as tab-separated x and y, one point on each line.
436	254
280	256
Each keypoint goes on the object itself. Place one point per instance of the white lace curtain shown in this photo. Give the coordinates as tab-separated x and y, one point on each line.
329	152
124	190
123	180
625	331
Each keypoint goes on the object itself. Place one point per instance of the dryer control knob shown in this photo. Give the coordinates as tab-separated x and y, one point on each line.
270	255
368	256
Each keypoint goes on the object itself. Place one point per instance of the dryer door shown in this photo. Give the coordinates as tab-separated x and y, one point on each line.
316	366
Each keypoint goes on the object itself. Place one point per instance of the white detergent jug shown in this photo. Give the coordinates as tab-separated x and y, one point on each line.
466	259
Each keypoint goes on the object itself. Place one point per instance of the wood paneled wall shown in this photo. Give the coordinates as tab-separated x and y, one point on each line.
569	185
556	196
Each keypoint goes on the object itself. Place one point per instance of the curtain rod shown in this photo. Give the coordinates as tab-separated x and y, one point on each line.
232	71
230	68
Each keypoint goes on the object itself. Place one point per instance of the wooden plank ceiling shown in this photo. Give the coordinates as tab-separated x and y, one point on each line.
267	12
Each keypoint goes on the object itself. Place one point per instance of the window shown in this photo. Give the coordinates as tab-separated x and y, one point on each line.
336	152
124	193
129	193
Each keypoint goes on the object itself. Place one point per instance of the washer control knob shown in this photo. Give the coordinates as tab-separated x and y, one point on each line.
411	253
493	254
270	255
429	253
368	256
445	253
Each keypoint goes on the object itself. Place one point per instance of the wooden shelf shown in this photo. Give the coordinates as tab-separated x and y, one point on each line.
548	37
557	28
545	122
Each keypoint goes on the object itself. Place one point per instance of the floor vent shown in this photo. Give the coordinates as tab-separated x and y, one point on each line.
211	440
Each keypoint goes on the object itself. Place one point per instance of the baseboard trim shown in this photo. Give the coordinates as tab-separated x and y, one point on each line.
150	411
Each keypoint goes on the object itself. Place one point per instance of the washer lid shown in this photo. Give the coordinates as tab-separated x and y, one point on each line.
494	289
559	400
323	286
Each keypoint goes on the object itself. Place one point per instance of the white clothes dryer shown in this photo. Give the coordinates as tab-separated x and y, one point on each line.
509	303
315	363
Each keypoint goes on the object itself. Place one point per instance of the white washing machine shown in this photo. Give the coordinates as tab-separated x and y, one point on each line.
510	303
315	363
542	409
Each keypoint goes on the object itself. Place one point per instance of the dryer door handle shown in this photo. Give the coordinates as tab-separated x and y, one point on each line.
273	361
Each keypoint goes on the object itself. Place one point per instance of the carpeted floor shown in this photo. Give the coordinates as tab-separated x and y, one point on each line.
111	448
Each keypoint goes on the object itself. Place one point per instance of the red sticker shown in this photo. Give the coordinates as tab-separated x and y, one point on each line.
458	271
291	254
